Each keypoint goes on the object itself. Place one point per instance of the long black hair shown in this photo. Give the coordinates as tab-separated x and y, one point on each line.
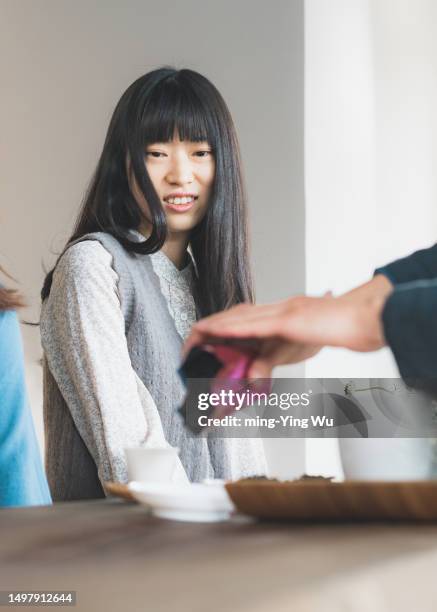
151	110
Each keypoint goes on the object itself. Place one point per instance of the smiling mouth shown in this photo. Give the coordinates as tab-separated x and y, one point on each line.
180	201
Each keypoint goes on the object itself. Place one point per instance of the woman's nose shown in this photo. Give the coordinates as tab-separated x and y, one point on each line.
180	172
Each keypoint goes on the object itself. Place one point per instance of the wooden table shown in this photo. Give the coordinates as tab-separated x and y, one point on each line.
117	558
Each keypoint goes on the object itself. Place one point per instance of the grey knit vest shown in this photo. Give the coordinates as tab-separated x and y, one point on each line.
154	347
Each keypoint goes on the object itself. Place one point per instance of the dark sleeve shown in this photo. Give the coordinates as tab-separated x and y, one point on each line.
421	265
410	328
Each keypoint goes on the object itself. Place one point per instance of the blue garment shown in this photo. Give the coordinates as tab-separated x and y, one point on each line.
22	478
410	316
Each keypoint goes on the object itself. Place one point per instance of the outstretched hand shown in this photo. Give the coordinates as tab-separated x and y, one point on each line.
295	329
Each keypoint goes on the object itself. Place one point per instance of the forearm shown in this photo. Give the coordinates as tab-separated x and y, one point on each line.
351	320
363	307
377	288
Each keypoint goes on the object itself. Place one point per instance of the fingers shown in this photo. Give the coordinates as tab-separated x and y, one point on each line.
244	321
257	327
196	337
260	368
238	322
200	336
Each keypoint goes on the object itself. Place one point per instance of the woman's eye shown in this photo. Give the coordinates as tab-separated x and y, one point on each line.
155	154
203	153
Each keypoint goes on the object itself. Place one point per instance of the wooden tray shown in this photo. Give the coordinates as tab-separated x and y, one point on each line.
331	501
119	490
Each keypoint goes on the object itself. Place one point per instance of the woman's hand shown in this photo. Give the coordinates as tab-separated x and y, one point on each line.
297	328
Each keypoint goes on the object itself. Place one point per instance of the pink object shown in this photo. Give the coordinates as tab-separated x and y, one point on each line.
234	373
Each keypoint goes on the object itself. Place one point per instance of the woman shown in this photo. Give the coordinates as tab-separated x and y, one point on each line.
125	292
22	479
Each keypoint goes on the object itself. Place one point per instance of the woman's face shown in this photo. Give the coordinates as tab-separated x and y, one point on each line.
182	173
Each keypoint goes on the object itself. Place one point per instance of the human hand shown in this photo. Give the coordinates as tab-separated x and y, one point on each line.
264	323
295	329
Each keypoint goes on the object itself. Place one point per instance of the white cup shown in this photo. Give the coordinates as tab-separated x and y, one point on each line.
396	407
388	458
151	464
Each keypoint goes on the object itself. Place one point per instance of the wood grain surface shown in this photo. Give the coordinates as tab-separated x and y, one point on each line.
331	501
118	558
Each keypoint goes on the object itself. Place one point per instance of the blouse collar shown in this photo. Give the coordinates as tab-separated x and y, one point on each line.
165	268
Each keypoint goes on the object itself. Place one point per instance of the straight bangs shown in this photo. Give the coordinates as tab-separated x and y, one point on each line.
176	107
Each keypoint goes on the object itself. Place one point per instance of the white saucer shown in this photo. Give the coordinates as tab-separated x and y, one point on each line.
195	502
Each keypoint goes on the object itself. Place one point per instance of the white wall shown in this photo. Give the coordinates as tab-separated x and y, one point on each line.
64	65
369	149
370	129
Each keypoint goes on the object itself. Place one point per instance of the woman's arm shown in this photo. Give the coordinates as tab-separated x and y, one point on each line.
296	329
82	331
365	319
